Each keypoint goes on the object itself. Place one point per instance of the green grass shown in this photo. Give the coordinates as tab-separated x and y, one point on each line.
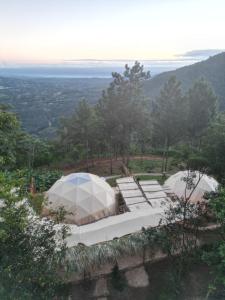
112	181
146	166
150	166
160	179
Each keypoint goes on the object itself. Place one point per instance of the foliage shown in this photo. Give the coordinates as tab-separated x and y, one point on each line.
189	158
168	117
201	101
32	252
84	259
43	179
78	132
112	181
174	117
37	201
122	110
212	70
179	233
32	152
9	132
116	125
168	113
18	149
215	256
144	165
161	179
214	145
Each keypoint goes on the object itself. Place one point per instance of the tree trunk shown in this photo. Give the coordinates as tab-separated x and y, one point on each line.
127	160
111	165
164	155
87	164
166	162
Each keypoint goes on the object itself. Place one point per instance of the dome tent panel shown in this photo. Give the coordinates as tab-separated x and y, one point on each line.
85	197
202	184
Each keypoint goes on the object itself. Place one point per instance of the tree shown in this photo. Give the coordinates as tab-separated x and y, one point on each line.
32	152
178	235
17	148
215	255
213	147
80	130
32	252
122	109
201	109
9	130
168	117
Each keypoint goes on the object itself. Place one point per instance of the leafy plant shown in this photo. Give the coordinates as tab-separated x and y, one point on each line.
42	179
215	255
32	252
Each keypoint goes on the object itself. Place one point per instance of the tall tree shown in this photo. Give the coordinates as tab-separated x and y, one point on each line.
78	131
201	103
213	147
17	148
9	130
122	108
215	255
168	117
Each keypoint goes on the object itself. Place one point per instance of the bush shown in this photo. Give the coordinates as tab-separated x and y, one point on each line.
32	252
43	179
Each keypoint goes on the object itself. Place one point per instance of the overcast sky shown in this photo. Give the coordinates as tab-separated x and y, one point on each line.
59	30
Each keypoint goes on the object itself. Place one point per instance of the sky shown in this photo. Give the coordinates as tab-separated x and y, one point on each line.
53	31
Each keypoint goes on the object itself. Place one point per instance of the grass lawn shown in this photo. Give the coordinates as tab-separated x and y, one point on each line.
112	181
160	179
146	166
149	166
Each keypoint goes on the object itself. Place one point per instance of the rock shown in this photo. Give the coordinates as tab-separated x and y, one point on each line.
101	288
137	277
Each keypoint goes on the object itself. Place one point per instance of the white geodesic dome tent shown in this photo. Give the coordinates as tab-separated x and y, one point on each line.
85	198
177	184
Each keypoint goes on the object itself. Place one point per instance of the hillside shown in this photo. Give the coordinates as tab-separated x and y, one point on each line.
41	102
212	69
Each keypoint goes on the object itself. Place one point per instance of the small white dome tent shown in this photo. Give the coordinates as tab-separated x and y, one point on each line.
85	198
204	184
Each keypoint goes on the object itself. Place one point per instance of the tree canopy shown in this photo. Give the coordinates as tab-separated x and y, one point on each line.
17	148
32	251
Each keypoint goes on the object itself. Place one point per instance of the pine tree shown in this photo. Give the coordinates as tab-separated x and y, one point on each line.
168	117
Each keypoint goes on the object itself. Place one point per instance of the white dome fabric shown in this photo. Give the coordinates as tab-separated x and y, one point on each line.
85	197
177	184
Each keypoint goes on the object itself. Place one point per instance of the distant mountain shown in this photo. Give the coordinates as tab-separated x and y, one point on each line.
212	69
41	102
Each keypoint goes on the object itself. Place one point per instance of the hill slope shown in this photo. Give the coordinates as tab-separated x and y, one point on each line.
212	69
41	102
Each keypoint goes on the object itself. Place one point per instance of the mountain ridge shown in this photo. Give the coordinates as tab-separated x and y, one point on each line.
41	102
211	69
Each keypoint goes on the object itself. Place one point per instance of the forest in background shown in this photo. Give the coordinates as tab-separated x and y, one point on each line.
41	102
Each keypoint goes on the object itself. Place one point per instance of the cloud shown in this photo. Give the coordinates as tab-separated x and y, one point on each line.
201	53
